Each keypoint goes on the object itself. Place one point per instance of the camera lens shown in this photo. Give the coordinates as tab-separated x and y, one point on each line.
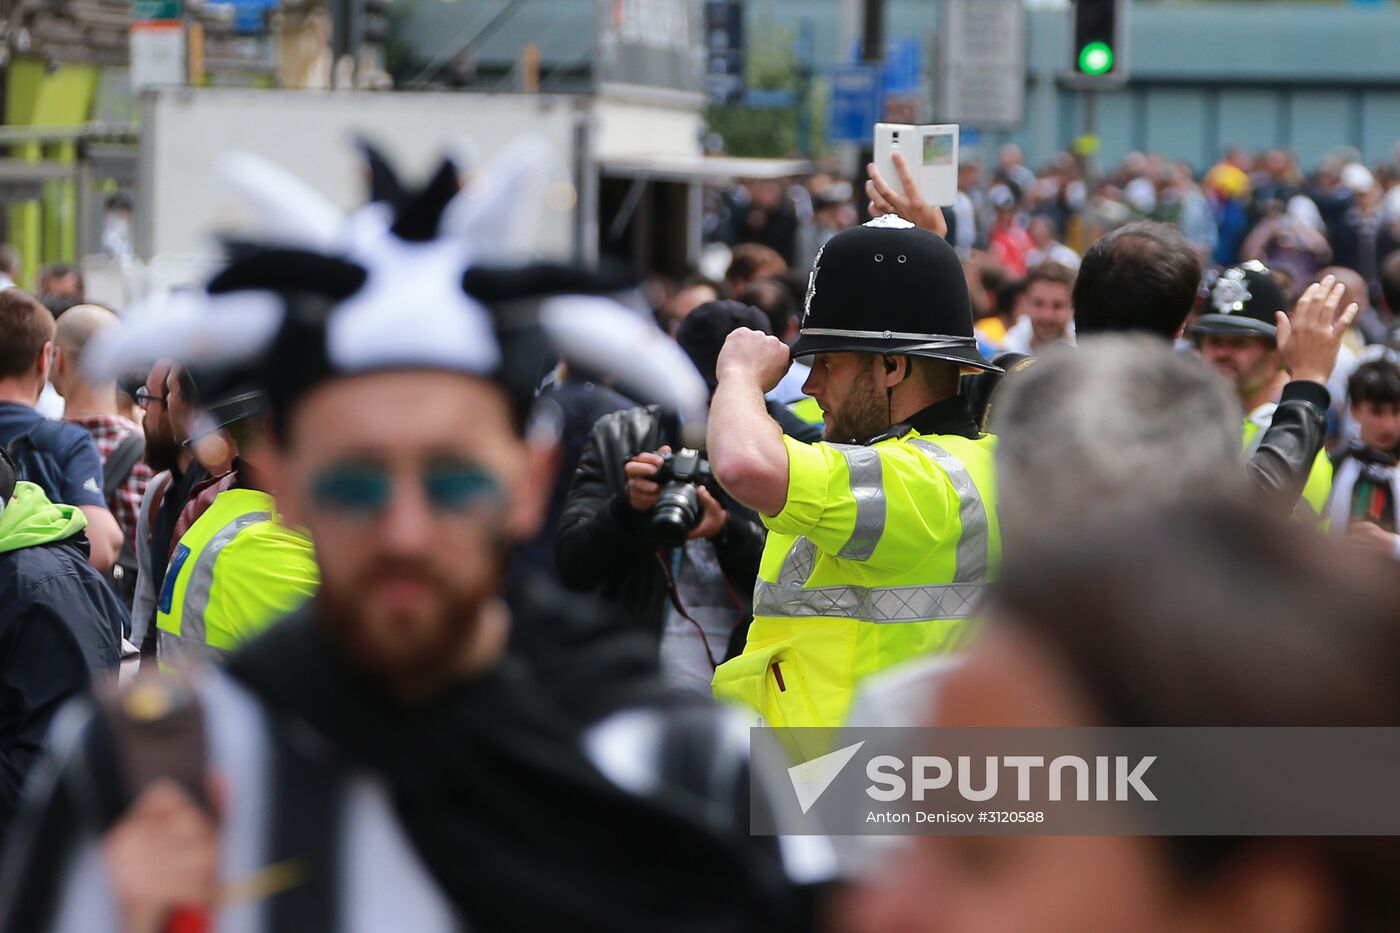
676	513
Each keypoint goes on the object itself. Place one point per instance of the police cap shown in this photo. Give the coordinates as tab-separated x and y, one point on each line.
889	287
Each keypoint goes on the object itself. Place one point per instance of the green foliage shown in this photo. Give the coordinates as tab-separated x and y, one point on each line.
766	132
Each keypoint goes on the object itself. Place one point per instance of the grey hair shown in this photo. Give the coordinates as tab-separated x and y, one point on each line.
1121	421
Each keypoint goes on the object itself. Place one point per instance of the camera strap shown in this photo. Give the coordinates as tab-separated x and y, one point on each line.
674	592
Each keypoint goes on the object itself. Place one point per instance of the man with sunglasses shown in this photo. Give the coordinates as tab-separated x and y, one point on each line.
418	747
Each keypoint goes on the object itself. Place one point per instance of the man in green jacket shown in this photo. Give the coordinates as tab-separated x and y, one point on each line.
60	622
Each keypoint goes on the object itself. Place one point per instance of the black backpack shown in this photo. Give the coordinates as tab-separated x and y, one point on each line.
36	460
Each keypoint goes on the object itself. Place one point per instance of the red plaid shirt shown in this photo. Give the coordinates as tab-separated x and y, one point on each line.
108	431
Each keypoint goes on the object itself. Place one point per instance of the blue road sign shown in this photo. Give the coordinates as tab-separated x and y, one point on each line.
855	104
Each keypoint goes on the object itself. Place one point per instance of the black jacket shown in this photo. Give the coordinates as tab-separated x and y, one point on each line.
603	544
60	625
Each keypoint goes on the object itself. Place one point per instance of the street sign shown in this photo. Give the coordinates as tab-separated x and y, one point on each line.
982	63
157	9
901	67
724	50
650	46
158	55
855	104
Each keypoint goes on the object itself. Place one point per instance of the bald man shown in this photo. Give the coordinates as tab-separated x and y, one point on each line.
94	406
1348	357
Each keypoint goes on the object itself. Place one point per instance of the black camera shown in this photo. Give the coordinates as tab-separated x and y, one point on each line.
677	510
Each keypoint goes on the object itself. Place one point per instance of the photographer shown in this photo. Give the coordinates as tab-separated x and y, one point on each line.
683	571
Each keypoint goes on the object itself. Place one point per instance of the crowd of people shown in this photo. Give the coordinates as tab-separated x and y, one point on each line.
370	587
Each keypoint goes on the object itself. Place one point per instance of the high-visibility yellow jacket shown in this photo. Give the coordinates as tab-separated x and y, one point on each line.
1319	484
233	573
881	553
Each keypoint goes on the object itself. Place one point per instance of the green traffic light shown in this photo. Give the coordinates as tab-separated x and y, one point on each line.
1096	58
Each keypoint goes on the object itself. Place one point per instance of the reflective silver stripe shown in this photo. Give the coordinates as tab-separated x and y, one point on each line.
201	580
890	335
797	566
868	604
974	545
183	652
868	489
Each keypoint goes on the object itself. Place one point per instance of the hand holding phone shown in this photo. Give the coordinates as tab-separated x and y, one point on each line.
930	153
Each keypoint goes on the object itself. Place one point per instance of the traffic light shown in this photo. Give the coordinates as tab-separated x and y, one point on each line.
1099	43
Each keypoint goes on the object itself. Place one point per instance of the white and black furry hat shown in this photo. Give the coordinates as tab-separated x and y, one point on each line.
413	279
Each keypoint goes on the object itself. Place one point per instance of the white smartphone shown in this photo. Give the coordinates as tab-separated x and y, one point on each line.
931	152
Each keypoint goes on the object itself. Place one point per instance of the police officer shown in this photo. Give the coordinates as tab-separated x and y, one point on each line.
881	537
1238	336
238	567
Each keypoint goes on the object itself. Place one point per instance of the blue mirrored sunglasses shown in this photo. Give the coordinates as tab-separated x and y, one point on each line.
364	489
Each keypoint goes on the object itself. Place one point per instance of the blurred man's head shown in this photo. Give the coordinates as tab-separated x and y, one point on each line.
774	298
751	262
1048	302
1011	300
1356	291
413	511
1123	420
1141	278
703	332
163	451
72	332
1374	394
1249	363
1043	232
9	260
1191	616
1390	284
1237	334
692	293
26	346
60	287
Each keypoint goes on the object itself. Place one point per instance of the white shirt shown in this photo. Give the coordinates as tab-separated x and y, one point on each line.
789	390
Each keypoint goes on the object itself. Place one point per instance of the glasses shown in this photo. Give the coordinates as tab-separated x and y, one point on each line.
144	398
362	490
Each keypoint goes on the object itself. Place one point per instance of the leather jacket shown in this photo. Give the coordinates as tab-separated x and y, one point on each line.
604	544
1278	469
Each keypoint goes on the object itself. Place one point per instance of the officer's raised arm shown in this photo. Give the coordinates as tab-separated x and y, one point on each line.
745	444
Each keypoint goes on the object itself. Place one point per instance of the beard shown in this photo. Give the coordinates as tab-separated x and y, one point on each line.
863	414
162	453
416	642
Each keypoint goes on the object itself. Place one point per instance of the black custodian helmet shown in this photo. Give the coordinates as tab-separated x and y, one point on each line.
889	287
1243	303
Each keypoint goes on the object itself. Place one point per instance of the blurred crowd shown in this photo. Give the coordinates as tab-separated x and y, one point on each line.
384	582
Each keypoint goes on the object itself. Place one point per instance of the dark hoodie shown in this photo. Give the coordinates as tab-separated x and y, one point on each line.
60	624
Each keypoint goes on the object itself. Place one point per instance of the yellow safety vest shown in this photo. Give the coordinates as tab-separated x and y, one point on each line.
235	571
1319	484
881	553
808	410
